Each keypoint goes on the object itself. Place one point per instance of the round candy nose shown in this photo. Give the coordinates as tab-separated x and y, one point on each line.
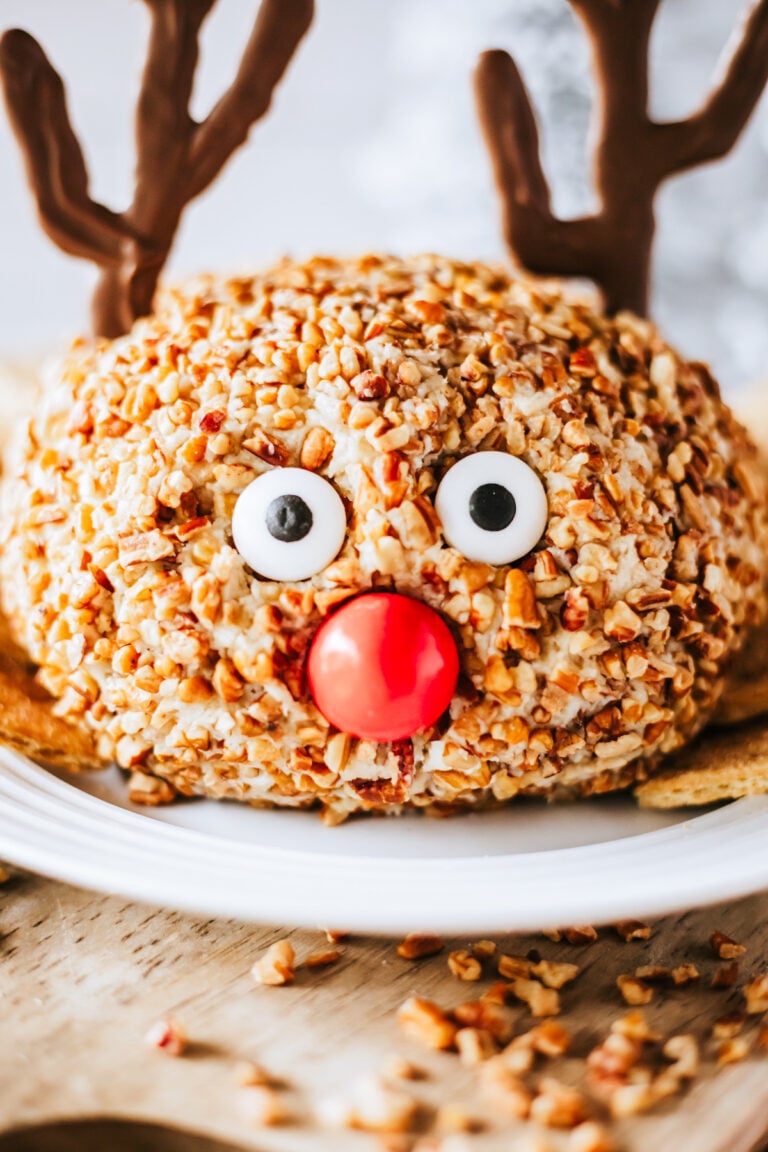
383	667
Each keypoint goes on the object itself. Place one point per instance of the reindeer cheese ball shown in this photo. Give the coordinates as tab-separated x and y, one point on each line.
377	533
569	504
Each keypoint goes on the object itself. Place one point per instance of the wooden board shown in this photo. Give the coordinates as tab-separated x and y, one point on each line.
83	976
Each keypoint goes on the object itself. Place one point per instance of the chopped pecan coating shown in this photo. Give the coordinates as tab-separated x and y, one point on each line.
583	664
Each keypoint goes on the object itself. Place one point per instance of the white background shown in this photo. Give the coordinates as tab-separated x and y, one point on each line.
372	143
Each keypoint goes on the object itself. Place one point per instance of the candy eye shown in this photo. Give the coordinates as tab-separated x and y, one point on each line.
289	524
492	506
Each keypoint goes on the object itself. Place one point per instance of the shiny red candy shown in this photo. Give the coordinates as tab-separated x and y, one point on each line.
383	667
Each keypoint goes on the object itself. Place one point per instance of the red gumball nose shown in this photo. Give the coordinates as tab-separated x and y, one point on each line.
383	667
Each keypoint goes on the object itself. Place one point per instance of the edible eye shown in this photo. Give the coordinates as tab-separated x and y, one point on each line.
289	524
289	518
492	506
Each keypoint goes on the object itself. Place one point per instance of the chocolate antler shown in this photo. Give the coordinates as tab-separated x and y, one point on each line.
177	158
633	156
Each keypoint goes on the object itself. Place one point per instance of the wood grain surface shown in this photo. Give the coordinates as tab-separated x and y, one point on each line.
83	976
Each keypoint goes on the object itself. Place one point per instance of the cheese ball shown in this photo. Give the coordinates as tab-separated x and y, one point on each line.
569	498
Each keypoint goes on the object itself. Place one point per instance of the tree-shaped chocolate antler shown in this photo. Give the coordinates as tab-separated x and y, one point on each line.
176	157
633	155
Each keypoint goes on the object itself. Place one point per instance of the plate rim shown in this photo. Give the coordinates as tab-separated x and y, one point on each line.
147	862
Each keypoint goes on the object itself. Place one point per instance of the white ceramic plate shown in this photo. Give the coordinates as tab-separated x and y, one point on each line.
529	866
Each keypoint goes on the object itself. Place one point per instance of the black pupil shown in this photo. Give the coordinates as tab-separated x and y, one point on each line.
289	518
492	507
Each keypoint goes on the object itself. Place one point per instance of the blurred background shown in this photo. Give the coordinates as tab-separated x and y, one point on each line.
373	143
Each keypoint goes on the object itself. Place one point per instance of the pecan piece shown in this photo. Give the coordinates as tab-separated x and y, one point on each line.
520	608
267	449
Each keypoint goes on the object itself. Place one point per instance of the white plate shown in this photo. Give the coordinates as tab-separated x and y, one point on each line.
529	866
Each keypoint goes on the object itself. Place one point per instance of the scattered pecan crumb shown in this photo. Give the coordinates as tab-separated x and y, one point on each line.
549	1039
505	1089
756	995
553	974
418	947
683	1051
724	947
632	930
276	966
465	966
484	949
728	1026
635	1026
335	937
488	1014
726	976
762	1038
397	1142
262	1105
654	974
732	1051
531	1142
496	993
610	1063
475	1045
323	958
248	1074
589	1137
4	875
633	990
453	1118
512	967
685	973
541	1001
557	1105
398	1068
666	1084
167	1036
657	974
628	1086
631	1100
426	1022
519	1056
373	1106
585	934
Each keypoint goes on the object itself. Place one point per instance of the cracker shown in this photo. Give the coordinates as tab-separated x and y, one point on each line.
27	720
721	765
742	701
746	694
